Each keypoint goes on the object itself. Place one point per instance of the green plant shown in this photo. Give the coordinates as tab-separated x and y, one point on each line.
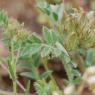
70	36
44	88
14	36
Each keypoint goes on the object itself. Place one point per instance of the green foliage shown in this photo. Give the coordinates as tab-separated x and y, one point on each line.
45	74
53	12
90	57
44	88
70	37
3	18
76	32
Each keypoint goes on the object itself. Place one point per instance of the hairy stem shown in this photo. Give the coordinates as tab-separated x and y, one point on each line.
45	64
14	87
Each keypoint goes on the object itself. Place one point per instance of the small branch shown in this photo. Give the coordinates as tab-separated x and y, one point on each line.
14	87
18	83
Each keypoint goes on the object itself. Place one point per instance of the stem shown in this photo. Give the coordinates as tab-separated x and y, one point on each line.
47	69
18	54
20	85
35	72
14	87
67	66
14	68
14	79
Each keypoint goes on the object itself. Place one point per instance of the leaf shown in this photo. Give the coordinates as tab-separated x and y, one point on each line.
24	66
47	11
28	75
41	87
3	18
55	36
44	88
77	80
45	52
35	48
69	70
90	57
66	58
11	69
45	74
61	48
35	60
30	49
50	36
34	38
74	64
56	52
25	51
66	82
55	16
76	73
60	11
47	35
